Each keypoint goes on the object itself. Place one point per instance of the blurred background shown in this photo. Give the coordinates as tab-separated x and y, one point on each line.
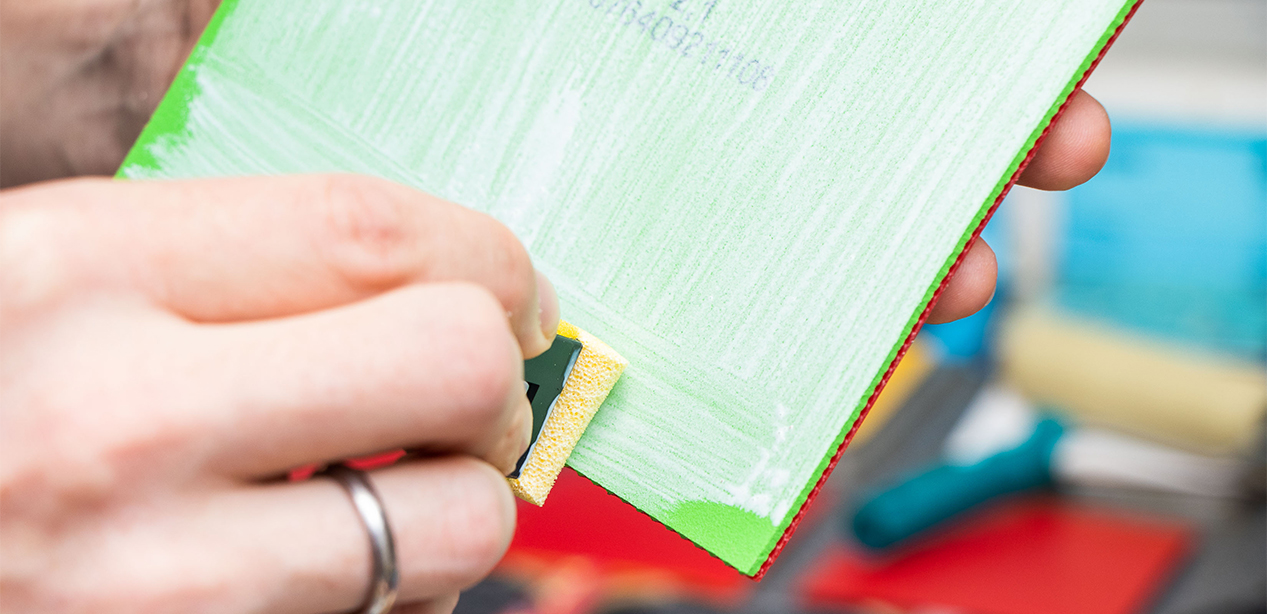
1092	442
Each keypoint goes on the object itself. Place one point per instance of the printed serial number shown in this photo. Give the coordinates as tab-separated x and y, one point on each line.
676	28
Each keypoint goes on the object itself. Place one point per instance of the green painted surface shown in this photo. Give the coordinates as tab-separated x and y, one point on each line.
739	535
756	235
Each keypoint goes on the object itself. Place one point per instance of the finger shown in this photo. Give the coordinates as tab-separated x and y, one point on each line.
432	367
439	605
1075	149
548	303
970	289
451	520
251	248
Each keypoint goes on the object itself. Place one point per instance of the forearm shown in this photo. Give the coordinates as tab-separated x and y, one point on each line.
79	79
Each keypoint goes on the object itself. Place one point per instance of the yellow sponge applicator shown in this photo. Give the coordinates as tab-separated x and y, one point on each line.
593	374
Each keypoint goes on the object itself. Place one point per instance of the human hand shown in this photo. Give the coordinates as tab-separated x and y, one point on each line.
80	78
119	57
1075	150
169	349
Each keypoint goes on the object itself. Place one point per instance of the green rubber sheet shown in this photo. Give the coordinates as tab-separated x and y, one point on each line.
753	201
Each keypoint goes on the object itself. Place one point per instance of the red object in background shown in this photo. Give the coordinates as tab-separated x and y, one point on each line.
1030	556
582	519
366	463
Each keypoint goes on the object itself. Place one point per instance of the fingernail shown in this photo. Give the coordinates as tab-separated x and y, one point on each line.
549	306
521	431
526	439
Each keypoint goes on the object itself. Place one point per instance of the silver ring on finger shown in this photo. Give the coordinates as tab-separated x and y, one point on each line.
385	576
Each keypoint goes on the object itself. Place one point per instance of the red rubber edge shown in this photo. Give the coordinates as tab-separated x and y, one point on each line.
796	520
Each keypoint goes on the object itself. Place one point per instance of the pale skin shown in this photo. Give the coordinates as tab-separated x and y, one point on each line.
168	350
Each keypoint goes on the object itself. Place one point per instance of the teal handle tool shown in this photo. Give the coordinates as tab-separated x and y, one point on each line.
934	495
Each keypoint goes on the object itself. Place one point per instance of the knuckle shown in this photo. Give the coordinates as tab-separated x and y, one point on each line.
369	228
34	271
481	527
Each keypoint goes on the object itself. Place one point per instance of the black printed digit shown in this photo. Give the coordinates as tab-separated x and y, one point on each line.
763	80
676	41
694	41
656	28
646	20
710	4
631	11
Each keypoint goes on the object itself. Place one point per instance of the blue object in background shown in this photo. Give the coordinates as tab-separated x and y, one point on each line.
925	499
1170	238
967	339
971	338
